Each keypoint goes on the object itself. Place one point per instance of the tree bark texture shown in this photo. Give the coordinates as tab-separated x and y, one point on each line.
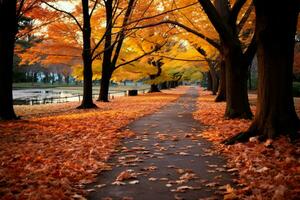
112	51
87	101
224	20
221	94
7	44
275	111
237	103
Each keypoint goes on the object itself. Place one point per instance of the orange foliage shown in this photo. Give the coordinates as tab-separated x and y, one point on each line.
51	156
267	171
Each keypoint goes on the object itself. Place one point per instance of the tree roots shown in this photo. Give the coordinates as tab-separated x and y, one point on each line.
87	106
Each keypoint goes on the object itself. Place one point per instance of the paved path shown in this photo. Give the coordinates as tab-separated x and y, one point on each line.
167	160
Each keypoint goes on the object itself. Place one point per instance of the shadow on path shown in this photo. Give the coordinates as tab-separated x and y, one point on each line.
167	158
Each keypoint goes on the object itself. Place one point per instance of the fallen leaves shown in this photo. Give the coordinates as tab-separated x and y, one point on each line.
125	175
266	170
58	149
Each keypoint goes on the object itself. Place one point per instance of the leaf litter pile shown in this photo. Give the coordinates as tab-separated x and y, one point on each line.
269	170
56	149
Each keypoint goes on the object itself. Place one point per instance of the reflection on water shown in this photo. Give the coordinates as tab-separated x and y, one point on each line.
37	96
44	96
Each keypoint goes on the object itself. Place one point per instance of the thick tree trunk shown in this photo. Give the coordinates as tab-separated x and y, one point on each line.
275	113
87	101
222	8
237	103
214	79
107	65
7	42
154	87
221	95
104	87
209	81
164	85
158	64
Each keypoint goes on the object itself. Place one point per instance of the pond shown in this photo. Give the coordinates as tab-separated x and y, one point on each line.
44	96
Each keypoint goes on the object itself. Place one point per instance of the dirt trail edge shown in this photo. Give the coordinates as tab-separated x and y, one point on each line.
165	160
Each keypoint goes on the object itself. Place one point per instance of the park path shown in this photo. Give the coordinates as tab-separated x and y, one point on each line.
165	159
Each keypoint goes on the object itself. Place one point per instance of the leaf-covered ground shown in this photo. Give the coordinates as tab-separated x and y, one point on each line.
266	171
55	149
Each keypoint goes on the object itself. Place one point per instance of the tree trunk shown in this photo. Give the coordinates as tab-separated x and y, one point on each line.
158	64
104	88
221	95
209	81
67	79
107	68
164	85
237	103
87	101
46	78
7	43
214	78
275	111
154	87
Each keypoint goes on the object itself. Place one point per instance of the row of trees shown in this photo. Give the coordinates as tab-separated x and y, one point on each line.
236	33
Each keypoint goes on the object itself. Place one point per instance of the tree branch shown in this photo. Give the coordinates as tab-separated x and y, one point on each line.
19	10
245	18
236	8
179	59
216	20
139	57
122	33
65	12
161	14
94	7
209	40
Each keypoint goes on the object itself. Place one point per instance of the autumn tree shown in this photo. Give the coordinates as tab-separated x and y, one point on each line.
134	15
275	113
112	48
84	26
172	59
236	58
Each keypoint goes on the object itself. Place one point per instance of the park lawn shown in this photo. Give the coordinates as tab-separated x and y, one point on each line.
55	149
269	170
